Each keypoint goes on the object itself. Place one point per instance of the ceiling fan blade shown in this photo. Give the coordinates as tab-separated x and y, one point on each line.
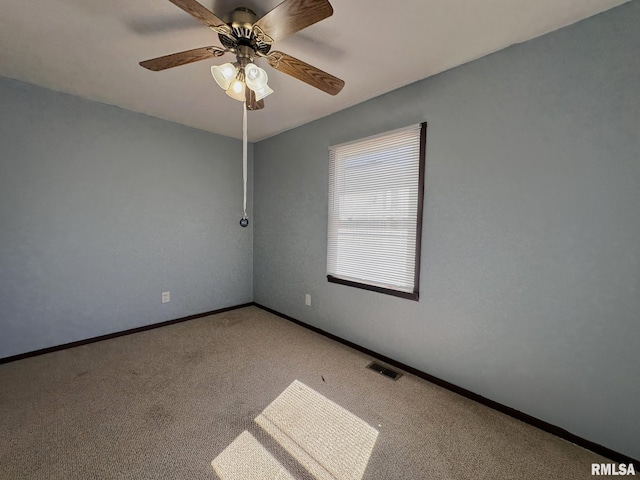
290	17
182	58
203	14
305	72
252	104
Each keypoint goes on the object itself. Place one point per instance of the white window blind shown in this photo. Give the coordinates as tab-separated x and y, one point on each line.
374	202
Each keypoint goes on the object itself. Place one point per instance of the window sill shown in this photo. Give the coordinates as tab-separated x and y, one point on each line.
373	288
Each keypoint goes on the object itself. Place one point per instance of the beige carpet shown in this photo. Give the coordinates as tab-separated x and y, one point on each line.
241	395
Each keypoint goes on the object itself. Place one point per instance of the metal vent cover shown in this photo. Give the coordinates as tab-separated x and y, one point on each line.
384	370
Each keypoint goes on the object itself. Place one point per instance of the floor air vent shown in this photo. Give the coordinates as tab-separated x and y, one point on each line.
386	371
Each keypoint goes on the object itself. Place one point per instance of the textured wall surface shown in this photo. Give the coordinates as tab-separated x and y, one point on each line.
530	270
102	209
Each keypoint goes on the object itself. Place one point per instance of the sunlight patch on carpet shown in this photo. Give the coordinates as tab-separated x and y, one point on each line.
329	441
246	459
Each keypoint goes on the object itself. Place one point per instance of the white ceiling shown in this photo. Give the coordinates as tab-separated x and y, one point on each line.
91	48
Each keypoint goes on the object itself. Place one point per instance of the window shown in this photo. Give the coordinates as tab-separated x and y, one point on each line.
375	212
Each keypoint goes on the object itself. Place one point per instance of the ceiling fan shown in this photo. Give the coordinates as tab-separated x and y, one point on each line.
247	37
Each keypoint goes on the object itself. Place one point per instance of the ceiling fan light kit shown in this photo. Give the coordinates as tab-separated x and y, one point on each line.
249	37
232	78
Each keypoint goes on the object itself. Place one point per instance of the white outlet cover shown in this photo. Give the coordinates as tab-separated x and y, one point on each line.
166	297
307	300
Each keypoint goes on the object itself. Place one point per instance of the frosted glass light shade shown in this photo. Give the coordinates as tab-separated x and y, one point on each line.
255	76
224	74
262	92
256	79
236	90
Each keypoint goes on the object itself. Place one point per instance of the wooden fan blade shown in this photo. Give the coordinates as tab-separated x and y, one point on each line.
290	17
250	97
203	14
182	58
305	72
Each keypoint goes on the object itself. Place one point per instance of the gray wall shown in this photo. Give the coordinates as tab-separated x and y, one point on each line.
102	209
530	273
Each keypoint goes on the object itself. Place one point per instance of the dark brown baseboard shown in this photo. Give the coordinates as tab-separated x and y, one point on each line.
512	412
56	348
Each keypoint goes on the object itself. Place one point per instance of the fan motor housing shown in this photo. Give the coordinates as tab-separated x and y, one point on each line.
241	21
241	16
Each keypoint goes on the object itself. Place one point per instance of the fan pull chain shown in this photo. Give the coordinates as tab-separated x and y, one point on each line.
244	221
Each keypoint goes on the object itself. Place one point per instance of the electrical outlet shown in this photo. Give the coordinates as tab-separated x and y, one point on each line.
307	300
166	297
